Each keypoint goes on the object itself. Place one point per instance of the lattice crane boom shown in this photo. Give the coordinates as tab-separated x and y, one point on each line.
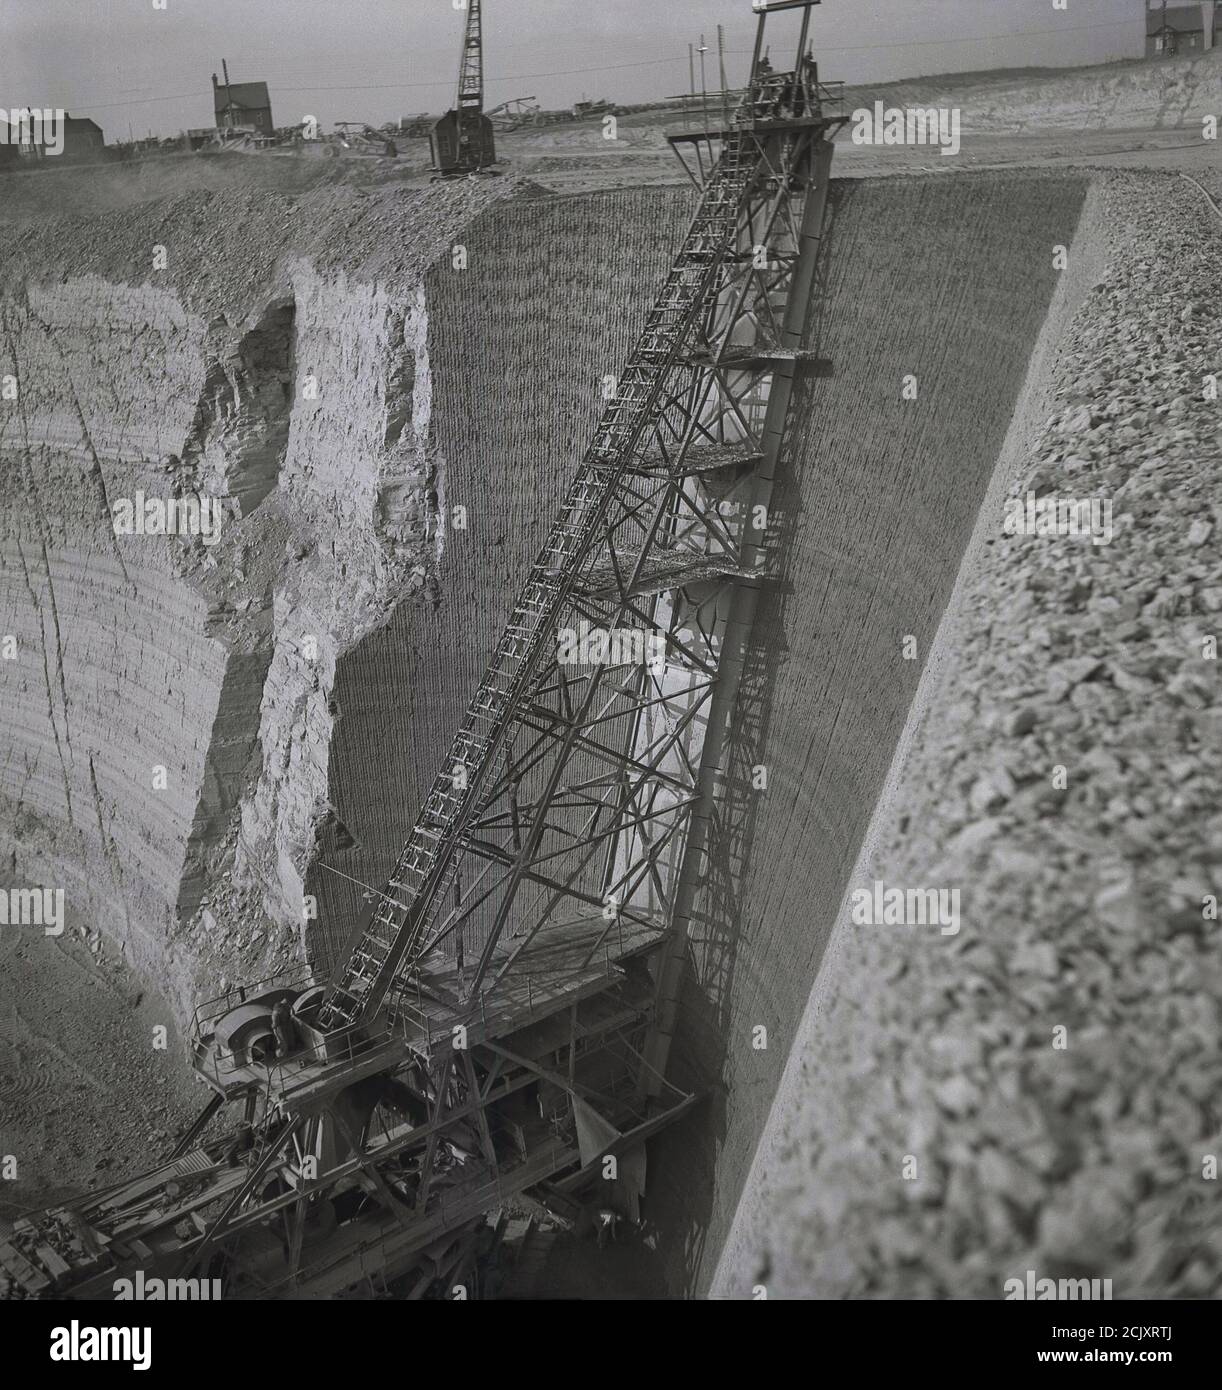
471	64
595	492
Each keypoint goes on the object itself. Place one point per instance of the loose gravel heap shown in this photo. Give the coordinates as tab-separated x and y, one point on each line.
1043	1091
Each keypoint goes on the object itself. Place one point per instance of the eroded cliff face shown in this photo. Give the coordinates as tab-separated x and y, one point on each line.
359	466
114	679
168	697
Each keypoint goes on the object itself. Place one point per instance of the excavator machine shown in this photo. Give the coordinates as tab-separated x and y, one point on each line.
463	140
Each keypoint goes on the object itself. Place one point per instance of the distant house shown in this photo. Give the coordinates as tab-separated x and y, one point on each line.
242	104
83	138
1181	29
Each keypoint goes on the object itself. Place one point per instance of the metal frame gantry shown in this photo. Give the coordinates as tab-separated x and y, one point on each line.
498	1028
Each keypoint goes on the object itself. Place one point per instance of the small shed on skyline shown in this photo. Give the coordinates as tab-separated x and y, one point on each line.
83	138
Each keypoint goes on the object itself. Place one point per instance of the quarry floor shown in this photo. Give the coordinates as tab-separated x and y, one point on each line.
73	1107
71	1019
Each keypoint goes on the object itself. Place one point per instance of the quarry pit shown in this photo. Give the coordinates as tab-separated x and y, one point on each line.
193	729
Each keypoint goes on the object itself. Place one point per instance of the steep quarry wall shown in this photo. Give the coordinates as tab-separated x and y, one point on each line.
114	684
388	423
168	697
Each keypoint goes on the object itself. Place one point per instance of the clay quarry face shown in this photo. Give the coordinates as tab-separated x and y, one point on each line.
284	432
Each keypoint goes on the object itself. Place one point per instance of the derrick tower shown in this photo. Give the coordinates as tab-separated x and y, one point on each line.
463	141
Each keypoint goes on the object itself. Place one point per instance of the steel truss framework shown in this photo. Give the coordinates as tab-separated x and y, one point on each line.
570	789
501	1022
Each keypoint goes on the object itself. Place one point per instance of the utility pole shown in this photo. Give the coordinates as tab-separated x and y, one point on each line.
721	63
228	112
704	91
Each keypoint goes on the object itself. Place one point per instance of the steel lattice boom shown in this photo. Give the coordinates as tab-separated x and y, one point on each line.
568	787
471	67
463	141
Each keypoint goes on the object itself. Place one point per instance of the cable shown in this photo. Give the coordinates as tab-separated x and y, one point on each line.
393	86
1208	196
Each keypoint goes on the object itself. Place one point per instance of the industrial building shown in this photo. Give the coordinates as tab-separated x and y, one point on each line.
83	138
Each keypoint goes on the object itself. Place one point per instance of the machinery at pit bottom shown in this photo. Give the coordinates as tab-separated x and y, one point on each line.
385	1157
361	138
395	1151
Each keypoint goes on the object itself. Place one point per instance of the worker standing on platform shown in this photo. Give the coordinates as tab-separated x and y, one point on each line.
606	1221
284	1030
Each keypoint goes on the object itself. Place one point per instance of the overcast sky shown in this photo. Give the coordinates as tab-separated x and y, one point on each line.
125	62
